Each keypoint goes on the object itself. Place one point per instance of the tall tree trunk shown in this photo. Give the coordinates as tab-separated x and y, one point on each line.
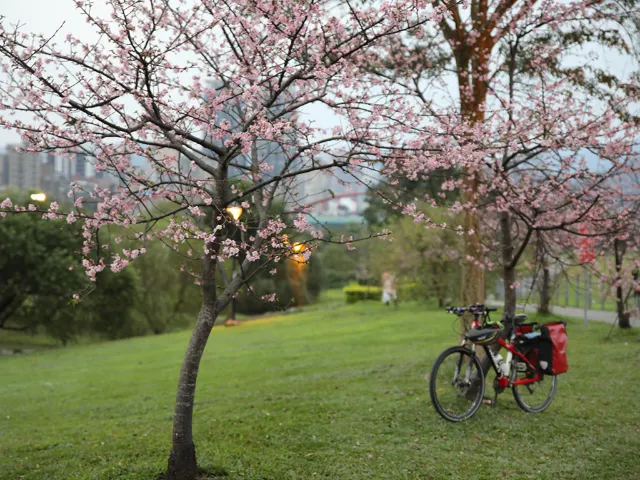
624	319
472	107
182	463
545	290
508	267
472	274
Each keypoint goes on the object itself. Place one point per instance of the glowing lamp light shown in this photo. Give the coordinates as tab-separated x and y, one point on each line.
235	212
298	247
38	197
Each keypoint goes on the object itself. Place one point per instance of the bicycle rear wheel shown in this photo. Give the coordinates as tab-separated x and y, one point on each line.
456	384
535	397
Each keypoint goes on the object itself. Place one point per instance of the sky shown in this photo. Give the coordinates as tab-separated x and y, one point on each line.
46	16
42	16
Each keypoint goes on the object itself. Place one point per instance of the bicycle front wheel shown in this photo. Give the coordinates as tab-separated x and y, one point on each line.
456	384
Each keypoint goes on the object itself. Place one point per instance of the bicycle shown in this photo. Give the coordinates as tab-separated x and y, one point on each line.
459	367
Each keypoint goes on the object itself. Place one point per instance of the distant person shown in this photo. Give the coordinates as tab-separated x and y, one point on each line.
389	292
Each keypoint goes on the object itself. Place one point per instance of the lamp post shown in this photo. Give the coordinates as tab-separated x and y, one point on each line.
297	275
38	197
235	212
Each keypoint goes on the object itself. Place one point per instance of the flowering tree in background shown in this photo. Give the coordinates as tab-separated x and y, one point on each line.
209	92
544	123
612	251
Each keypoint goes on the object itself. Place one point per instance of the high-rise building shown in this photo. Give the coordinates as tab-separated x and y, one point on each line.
272	153
65	165
21	169
3	179
81	165
54	181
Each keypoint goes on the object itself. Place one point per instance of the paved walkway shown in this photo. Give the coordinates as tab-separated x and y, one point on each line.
592	315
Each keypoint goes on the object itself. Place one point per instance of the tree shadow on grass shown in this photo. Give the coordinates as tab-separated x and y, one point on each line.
204	473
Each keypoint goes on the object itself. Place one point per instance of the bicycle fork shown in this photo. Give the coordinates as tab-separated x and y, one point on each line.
468	378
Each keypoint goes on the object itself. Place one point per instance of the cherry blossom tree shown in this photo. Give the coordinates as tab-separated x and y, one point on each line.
496	53
612	251
542	122
218	97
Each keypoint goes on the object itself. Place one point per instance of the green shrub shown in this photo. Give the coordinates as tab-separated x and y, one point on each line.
410	291
356	293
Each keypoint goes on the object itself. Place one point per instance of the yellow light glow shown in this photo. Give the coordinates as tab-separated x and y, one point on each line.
298	247
38	197
235	212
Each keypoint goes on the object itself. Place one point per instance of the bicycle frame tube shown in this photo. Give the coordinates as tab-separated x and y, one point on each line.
511	348
504	381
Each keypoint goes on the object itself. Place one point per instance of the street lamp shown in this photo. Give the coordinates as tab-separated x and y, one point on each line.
298	252
235	212
297	271
38	197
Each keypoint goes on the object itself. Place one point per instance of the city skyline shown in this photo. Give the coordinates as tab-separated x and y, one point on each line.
47	172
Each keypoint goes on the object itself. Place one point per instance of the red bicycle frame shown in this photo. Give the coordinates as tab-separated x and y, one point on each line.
503	381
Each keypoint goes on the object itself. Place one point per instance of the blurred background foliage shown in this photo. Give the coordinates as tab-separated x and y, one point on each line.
40	271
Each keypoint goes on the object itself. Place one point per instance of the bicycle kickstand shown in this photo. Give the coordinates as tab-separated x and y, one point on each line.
491	402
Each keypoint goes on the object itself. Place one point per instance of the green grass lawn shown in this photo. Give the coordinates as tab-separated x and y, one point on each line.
10	340
335	393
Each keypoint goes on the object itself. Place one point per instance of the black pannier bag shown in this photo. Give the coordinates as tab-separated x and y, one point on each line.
546	349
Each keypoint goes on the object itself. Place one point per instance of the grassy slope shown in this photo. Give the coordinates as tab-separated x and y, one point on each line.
337	393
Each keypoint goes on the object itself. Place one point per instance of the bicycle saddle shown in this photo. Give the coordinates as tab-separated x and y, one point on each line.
482	337
520	318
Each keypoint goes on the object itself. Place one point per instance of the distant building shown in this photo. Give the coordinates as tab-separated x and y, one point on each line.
49	178
55	182
21	169
272	153
81	166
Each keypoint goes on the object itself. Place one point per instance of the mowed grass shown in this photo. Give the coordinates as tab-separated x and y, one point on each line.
334	393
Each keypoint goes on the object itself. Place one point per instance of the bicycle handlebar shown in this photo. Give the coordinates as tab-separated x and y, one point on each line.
476	309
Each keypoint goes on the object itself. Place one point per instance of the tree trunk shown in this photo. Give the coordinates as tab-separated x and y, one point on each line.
510	298
472	274
472	61
182	463
545	290
623	317
508	269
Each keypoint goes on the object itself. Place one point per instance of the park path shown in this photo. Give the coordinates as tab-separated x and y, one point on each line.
592	315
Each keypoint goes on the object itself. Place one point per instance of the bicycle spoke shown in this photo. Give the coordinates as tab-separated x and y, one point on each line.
451	384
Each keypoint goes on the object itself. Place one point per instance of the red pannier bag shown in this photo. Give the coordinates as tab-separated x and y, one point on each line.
556	333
